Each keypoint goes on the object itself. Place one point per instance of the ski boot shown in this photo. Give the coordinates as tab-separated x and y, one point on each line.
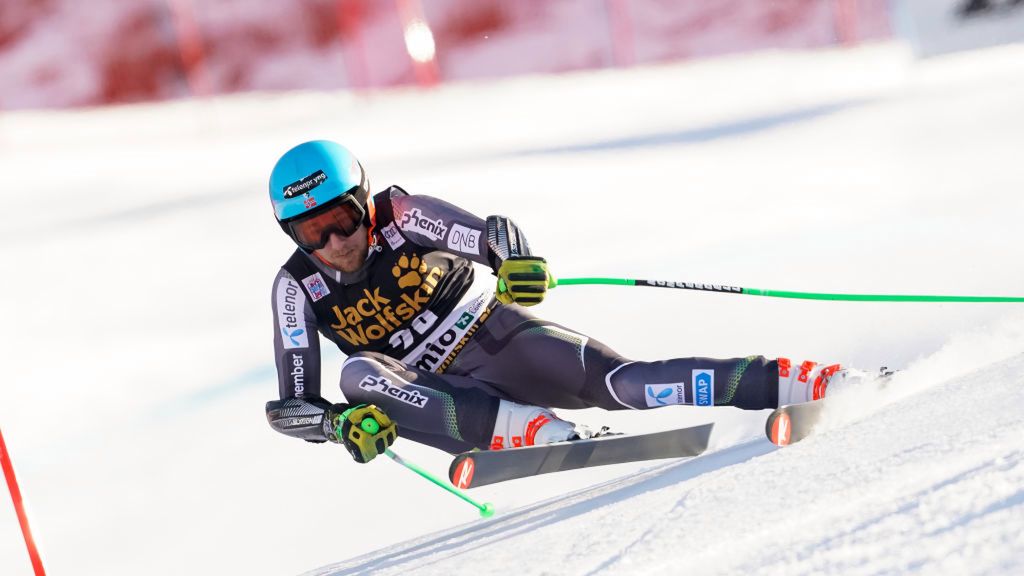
811	380
806	382
521	425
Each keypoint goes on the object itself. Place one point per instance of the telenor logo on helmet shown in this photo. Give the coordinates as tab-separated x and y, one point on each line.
305	185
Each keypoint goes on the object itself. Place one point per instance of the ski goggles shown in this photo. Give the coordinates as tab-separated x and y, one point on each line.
341	216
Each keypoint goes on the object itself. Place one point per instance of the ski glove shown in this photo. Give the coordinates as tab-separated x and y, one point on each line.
364	429
523	280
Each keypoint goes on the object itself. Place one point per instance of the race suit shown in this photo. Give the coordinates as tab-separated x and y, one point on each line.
438	357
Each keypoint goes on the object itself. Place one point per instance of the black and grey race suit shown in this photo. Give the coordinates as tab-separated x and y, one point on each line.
437	356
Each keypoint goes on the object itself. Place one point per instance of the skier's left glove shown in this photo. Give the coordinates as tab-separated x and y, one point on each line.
523	280
364	429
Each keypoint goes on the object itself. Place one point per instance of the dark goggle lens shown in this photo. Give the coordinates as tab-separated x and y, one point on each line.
313	232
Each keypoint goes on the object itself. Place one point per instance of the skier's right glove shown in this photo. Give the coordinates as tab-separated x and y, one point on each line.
523	280
364	429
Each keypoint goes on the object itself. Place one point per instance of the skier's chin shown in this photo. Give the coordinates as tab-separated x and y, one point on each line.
346	261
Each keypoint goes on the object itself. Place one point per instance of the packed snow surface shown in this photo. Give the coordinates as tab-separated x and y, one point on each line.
931	483
139	250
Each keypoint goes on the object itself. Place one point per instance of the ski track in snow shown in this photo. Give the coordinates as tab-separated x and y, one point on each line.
920	485
466	539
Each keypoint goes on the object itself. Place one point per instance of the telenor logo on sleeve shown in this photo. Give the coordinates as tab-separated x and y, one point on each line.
290	302
703	387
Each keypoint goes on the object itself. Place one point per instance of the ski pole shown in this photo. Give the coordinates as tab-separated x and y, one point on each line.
19	508
786	293
486	509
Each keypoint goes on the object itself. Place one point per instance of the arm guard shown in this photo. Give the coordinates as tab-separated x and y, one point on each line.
504	240
299	418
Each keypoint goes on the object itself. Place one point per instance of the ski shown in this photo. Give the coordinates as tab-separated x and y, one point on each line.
793	422
480	468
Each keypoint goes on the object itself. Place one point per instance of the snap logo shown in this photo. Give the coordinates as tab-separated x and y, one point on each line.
315	286
382	385
703	387
393	236
663	394
462	239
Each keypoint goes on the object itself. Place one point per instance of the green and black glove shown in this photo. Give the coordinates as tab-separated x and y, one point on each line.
365	430
523	280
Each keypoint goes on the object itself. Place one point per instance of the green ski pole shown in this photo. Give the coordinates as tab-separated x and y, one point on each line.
486	509
786	293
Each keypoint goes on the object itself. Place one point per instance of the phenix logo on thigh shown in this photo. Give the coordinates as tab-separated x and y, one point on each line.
383	386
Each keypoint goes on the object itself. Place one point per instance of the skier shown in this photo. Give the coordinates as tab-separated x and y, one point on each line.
389	279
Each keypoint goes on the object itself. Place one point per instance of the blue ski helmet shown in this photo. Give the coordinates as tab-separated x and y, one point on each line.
311	178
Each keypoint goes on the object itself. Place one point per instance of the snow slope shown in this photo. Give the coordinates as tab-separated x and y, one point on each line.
931	481
138	251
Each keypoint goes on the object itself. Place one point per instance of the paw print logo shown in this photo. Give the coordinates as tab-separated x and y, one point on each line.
409	271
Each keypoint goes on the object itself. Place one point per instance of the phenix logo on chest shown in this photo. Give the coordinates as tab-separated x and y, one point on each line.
375	316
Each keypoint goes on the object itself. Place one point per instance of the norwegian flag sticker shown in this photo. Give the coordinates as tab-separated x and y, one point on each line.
315	286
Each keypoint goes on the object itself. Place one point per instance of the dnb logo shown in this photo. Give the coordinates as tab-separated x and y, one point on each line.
703	387
663	394
464	239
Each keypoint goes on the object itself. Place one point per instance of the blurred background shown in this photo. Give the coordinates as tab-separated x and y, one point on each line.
63	53
815	145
